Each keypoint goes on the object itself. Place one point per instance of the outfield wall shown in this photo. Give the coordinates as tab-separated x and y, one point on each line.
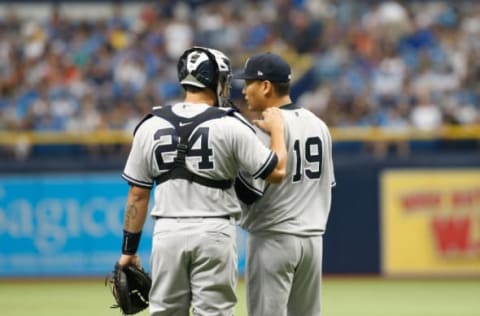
412	217
61	224
400	217
66	224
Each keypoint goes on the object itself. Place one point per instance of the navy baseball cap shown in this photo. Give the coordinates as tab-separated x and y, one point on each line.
266	66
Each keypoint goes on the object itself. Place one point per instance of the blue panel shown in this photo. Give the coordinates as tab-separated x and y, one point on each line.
351	243
67	225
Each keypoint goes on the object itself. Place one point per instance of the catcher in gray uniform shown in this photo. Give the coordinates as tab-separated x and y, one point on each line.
192	151
285	221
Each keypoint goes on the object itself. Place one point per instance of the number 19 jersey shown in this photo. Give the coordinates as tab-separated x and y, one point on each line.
300	204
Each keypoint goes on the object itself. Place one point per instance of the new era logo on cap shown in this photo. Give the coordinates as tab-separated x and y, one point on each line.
266	66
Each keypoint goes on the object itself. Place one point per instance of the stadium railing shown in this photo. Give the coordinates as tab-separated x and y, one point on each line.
343	134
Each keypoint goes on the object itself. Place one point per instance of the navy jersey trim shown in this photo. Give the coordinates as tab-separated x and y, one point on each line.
249	186
245	192
146	117
290	106
267	167
243	120
139	183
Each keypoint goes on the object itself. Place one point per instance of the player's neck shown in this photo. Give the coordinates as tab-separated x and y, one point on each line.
280	101
203	97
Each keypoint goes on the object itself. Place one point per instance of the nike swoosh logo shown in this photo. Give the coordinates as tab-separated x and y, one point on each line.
184	123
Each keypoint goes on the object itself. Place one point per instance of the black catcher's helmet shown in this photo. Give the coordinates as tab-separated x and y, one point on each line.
206	68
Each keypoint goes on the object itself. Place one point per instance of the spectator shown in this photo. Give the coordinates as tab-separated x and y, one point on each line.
366	58
426	115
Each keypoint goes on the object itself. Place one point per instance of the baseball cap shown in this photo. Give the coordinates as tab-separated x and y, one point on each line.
266	66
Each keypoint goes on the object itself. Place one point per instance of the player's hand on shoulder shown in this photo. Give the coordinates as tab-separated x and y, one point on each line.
272	118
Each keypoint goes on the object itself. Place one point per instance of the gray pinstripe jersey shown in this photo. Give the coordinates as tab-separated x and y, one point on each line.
300	204
224	146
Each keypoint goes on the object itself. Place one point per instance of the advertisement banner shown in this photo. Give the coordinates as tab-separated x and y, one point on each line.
66	225
430	222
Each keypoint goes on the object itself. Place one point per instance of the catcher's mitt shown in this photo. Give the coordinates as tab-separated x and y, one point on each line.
130	286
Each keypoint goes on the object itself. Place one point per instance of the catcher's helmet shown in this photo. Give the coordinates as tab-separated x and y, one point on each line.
206	68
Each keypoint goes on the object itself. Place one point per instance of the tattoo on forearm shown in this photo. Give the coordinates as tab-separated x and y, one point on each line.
130	215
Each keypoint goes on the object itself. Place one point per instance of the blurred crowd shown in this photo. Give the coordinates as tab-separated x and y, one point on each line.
393	64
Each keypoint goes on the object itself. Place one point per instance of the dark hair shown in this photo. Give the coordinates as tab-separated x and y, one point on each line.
281	88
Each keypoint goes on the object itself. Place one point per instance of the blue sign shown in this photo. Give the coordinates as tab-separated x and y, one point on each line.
67	225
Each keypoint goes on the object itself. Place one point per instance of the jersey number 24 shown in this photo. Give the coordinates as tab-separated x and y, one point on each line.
204	152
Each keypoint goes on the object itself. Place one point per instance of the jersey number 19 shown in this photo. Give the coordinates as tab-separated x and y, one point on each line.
311	151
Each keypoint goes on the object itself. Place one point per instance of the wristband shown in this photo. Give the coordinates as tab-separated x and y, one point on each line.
130	242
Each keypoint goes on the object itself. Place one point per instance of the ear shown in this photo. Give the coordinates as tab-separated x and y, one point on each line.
267	88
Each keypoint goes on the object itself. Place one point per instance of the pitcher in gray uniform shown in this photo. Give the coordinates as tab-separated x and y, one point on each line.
285	221
193	151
